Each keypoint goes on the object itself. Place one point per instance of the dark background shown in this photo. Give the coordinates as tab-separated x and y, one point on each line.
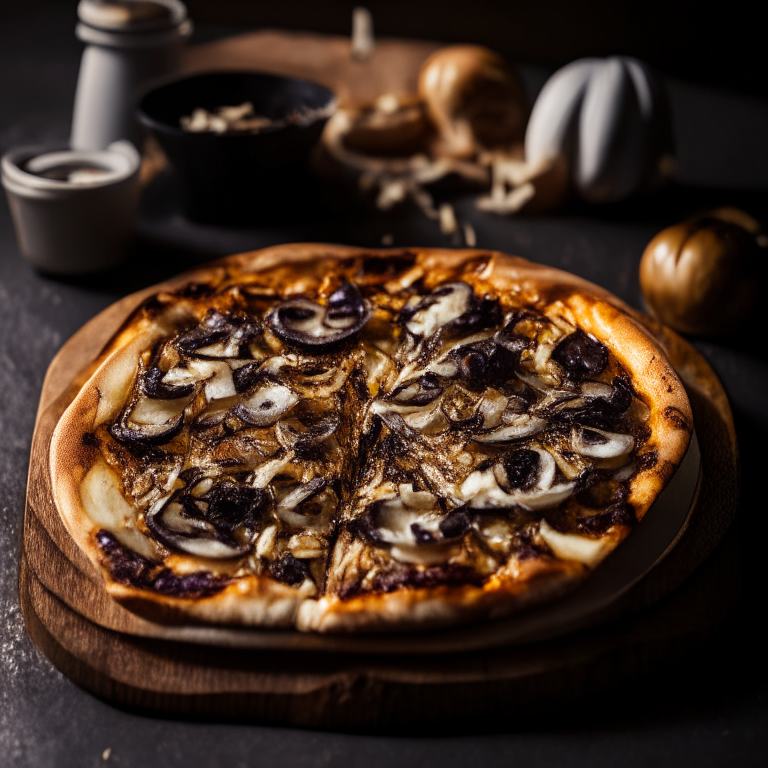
706	707
722	43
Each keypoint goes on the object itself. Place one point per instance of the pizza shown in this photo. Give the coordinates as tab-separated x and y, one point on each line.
338	440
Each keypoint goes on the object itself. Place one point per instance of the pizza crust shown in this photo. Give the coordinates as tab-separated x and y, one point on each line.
259	600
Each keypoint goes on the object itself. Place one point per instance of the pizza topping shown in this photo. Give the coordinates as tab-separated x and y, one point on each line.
599	444
289	570
502	413
311	327
177	528
149	422
581	355
204	517
414	527
569	546
218	335
515	427
307	437
601	411
154	386
232	505
510	484
521	468
309	506
267	404
432	312
418	392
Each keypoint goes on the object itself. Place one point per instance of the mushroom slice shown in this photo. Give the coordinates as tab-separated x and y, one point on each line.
316	329
491	408
218	335
309	506
216	412
266	405
512	484
439	308
516	426
216	374
150	422
153	385
414	527
314	435
599	444
192	535
428	422
320	383
570	546
418	392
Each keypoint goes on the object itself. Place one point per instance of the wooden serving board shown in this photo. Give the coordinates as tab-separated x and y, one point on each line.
393	66
123	657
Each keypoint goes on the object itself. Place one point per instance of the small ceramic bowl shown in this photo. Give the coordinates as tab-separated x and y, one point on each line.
74	211
238	176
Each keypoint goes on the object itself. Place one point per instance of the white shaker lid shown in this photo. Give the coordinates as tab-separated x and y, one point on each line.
132	15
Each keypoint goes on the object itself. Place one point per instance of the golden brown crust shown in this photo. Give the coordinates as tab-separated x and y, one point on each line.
260	601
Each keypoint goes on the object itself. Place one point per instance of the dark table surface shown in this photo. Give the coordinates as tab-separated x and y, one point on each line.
710	709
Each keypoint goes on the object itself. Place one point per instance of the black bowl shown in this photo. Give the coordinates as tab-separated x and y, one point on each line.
239	177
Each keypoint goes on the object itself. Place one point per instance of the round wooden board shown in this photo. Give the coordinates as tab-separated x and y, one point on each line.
89	635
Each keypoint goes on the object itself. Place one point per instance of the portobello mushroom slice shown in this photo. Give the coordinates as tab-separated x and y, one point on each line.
317	329
525	478
266	404
149	422
192	535
413	527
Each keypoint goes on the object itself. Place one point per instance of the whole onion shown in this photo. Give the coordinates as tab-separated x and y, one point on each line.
700	276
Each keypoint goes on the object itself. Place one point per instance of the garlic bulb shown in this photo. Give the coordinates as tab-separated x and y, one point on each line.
609	119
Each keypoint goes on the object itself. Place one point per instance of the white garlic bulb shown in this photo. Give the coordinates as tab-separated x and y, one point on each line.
609	119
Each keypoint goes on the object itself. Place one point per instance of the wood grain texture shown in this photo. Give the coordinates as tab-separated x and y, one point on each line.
393	66
120	656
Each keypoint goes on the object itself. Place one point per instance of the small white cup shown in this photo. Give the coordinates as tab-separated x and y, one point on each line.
76	225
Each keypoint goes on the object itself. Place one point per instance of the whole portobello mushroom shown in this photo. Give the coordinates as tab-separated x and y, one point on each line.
473	98
700	276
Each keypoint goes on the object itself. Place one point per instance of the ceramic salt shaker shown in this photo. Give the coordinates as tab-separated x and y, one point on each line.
129	43
74	211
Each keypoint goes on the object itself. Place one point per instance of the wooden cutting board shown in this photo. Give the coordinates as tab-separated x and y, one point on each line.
122	657
393	66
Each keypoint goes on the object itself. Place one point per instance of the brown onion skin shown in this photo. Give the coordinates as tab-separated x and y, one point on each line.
473	98
700	276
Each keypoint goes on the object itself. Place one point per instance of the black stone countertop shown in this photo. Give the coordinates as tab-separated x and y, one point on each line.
711	710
